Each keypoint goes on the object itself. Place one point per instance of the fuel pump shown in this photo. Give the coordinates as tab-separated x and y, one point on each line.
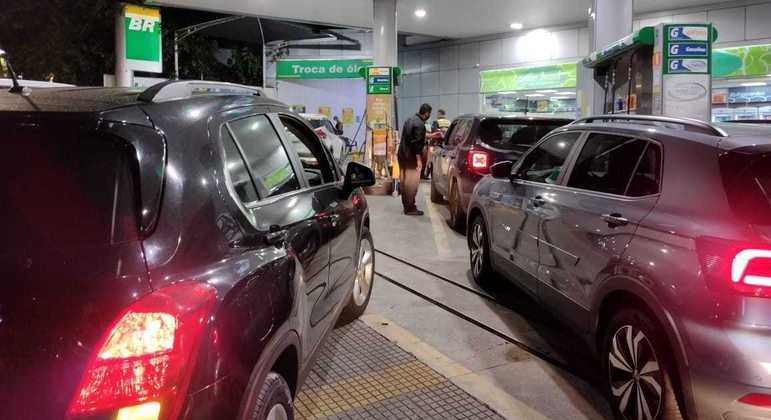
658	70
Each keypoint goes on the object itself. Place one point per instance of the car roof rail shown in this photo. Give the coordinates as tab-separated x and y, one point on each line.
184	89
687	124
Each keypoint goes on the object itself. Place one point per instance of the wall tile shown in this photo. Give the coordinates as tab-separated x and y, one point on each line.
407	108
410	86
448	82
758	22
468	103
508	50
429	60
583	42
700	17
566	44
468	55
655	21
490	53
448	58
429	84
412	62
449	103
729	23
468	80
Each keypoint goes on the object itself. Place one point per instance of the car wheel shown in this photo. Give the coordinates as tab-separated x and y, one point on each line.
274	401
457	214
436	196
479	251
363	281
638	368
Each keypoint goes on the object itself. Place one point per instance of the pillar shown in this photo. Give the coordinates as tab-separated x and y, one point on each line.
384	41
609	21
123	76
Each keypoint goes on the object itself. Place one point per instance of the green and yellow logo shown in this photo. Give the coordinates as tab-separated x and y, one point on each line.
143	33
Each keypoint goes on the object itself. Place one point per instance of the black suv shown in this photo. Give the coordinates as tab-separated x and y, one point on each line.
472	145
651	237
174	253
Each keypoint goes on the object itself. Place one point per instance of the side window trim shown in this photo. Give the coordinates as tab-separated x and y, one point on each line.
295	157
289	152
569	160
581	142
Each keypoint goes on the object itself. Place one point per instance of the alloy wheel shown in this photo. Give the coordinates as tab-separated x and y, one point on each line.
477	249
636	378
277	412
363	281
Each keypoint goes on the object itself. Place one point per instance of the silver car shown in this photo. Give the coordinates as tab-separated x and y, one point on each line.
651	237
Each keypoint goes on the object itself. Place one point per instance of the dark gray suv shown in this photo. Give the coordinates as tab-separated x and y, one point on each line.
652	237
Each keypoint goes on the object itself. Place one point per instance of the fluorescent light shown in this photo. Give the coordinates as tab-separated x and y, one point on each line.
516	26
535	95
566	93
546	91
2	51
421	13
750	84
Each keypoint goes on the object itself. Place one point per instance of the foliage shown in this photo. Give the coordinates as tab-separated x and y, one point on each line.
74	41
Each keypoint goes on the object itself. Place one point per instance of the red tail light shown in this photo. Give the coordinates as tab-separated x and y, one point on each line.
745	269
320	132
146	355
479	161
758	400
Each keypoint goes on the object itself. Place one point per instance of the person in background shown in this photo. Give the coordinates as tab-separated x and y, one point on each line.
441	122
434	137
338	125
410	157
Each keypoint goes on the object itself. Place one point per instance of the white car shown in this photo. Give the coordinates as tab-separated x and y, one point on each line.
327	133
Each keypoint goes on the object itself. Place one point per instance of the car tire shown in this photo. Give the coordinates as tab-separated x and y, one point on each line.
436	196
479	251
273	401
643	381
363	281
457	214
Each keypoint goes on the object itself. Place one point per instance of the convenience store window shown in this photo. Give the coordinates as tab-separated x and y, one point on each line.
538	90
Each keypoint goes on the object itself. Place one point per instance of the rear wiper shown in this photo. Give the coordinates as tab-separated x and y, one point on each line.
16	88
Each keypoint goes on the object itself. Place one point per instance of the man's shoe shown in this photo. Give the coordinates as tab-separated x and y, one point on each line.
414	212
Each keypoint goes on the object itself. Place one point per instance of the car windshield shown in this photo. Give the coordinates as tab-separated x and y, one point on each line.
507	134
316	123
747	178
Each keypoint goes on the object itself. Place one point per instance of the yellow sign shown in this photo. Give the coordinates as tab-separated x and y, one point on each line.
326	111
347	115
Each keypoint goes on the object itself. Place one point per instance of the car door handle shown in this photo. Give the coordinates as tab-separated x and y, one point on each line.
538	201
615	220
276	236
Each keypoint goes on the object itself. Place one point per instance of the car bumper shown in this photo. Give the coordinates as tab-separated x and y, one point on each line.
717	399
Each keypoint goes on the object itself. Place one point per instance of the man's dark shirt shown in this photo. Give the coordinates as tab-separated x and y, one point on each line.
413	140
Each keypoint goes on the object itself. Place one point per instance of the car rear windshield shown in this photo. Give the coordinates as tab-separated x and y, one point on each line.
501	133
64	187
747	180
316	123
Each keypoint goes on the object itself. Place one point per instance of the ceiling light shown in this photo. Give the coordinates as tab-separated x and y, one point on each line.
750	84
516	26
421	13
566	93
546	91
535	95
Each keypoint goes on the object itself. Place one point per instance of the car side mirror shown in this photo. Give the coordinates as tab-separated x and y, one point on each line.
502	169
357	176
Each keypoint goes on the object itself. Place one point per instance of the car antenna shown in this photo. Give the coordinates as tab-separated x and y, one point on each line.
16	88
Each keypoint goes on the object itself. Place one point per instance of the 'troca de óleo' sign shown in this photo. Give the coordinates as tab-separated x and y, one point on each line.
320	69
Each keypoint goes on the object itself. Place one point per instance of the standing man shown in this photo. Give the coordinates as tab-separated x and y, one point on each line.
410	158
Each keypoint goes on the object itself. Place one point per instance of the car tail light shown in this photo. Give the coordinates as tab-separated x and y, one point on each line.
143	362
320	132
744	268
479	161
758	400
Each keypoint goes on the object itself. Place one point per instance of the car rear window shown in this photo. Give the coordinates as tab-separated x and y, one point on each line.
64	188
316	123
501	133
747	180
